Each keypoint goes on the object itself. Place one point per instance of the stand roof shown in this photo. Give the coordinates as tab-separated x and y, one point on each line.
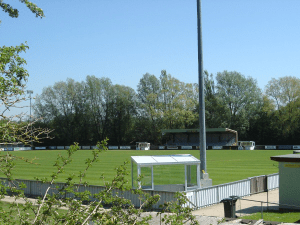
185	159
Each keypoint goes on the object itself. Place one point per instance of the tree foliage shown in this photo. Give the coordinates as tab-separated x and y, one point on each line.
241	96
13	77
125	116
14	12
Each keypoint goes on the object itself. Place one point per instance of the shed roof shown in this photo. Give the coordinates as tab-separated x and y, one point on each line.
286	158
208	130
186	159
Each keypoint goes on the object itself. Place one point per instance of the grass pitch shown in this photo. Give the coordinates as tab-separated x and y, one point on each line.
223	166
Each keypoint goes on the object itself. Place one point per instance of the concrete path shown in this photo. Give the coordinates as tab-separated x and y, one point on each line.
243	207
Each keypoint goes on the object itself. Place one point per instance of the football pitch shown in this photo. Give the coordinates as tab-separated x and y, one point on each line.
223	166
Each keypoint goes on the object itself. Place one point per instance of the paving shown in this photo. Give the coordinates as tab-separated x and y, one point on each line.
244	207
214	214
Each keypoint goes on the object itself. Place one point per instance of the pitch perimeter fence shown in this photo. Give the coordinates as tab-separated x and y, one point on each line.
196	199
153	147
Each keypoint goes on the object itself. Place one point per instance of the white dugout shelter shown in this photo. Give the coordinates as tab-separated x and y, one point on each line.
166	172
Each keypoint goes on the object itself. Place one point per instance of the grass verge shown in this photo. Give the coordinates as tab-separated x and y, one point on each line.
284	217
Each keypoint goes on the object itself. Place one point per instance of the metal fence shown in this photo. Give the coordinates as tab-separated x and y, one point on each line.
212	195
198	198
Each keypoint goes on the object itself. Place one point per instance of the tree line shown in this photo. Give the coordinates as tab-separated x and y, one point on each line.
94	109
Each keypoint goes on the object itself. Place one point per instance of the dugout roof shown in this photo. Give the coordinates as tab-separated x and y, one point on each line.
286	158
208	130
185	159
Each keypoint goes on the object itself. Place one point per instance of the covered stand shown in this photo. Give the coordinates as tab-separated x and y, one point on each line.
165	172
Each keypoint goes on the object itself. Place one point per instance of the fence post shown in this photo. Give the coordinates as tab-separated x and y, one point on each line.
267	189
262	211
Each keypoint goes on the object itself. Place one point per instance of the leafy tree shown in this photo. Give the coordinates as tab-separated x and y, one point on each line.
241	96
216	114
14	12
63	107
149	121
285	93
88	111
283	90
12	83
264	127
179	101
122	110
166	103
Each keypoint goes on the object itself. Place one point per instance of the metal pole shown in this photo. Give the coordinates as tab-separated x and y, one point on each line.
262	211
202	133
30	92
30	122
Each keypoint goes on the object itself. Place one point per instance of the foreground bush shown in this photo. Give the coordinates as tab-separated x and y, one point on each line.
106	207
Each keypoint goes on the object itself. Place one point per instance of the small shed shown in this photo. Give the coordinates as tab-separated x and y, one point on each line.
165	172
289	180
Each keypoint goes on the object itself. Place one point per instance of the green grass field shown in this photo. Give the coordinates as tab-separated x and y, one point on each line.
222	166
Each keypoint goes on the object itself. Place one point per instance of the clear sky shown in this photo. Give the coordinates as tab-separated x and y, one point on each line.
124	39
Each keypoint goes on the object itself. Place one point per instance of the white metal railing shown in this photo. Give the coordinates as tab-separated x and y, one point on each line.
212	195
197	198
273	181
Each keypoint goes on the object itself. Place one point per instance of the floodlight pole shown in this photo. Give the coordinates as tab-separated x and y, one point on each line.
202	132
30	92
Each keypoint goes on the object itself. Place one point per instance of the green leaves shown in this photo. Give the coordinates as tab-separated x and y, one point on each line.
14	13
179	213
13	74
241	96
9	9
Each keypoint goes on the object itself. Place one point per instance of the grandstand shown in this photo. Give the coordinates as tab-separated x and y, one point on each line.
190	137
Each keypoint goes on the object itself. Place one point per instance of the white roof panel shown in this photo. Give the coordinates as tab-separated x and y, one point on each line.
185	159
165	159
143	159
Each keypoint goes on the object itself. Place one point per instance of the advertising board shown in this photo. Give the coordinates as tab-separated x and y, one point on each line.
113	147
52	147
40	148
270	147
186	147
161	147
22	148
60	147
125	147
172	147
285	147
296	147
217	147
85	147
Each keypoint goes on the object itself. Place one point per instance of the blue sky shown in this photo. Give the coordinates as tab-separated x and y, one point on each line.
124	39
